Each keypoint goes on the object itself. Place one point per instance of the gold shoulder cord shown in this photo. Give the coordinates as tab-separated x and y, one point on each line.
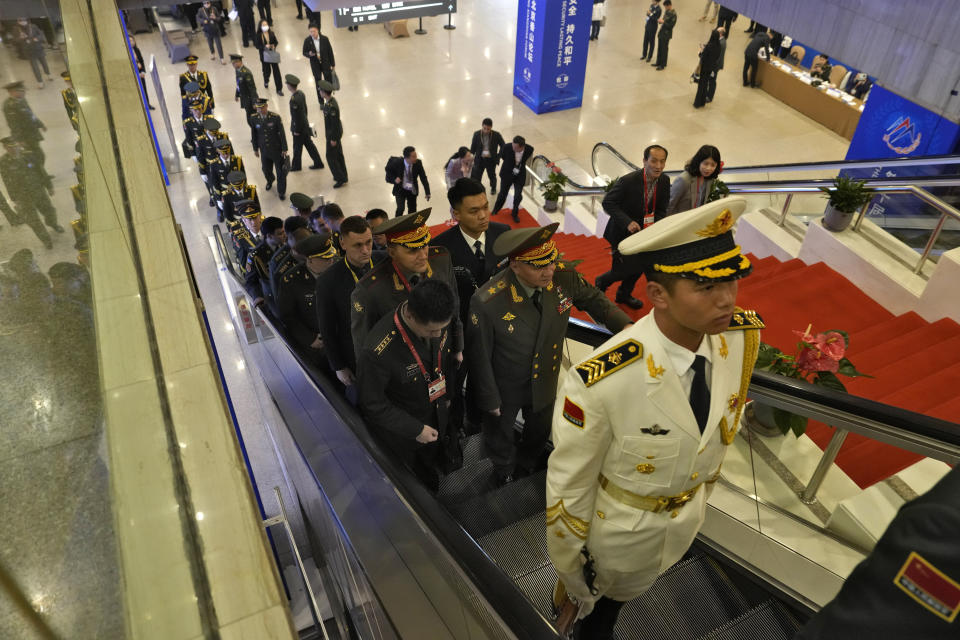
751	347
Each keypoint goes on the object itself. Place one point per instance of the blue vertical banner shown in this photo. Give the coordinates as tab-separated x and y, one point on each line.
551	60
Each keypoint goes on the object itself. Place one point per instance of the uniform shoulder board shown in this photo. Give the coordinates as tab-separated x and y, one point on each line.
745	319
491	289
387	339
608	362
378	273
438	251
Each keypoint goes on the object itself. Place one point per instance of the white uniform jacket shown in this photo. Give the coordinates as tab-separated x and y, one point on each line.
625	433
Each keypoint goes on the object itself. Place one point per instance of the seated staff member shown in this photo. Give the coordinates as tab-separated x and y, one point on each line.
518	321
645	421
404	364
691	188
410	260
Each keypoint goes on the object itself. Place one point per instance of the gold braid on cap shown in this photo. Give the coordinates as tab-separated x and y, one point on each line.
701	267
327	253
539	256
419	237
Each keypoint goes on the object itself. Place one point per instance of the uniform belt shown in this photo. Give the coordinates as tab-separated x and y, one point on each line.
655	504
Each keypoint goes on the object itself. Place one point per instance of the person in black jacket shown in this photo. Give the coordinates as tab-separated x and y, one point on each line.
485	147
405	364
300	126
650	30
725	18
709	61
636	201
141	70
333	130
513	172
248	23
265	41
667	23
403	173
317	49
751	57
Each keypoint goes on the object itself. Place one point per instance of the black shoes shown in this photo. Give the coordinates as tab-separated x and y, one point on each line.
268	187
500	479
601	284
493	191
292	169
629	300
283	196
317	166
515	217
339	183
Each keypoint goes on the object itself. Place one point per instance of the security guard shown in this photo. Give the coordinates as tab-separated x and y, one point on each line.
296	302
24	126
70	102
300	126
334	133
219	169
195	94
257	268
199	77
518	321
246	91
246	231
645	421
237	190
388	283
28	186
271	147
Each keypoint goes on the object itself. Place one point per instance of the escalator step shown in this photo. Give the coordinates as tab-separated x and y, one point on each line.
768	620
465	483
503	506
519	548
473	449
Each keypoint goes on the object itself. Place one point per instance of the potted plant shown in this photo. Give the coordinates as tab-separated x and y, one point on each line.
820	357
552	187
845	198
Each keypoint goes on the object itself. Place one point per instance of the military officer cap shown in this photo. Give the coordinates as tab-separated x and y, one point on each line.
196	103
323	85
65	75
67	271
191	59
248	208
301	201
316	246
291	79
9	141
236	177
409	231
223	143
235	56
192	87
16	84
697	244
211	124
532	245
261	102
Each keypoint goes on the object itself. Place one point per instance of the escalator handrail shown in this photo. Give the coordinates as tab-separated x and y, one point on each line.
493	586
798	166
548	162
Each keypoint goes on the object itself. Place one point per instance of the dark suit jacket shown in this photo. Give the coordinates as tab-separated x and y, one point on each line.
508	162
625	204
326	55
333	313
466	267
496	144
395	169
260	43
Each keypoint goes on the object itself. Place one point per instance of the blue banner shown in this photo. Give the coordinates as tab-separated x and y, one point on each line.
551	61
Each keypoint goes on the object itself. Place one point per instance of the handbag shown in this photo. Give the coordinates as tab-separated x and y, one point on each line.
271	56
187	149
335	81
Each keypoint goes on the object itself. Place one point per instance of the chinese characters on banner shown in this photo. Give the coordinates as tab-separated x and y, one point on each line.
551	54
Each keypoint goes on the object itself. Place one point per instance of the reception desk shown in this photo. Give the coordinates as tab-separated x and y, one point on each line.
830	111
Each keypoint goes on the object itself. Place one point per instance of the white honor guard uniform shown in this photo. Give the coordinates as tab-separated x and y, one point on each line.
631	472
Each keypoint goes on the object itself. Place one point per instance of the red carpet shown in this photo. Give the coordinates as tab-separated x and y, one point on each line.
915	364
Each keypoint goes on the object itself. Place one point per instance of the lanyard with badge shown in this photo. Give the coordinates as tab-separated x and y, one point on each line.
435	388
647	202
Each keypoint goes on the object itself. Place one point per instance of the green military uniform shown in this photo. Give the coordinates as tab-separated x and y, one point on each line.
385	286
28	186
515	349
334	133
246	93
271	143
300	127
24	126
281	262
70	102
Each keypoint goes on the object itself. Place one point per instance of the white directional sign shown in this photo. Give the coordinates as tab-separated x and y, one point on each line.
387	11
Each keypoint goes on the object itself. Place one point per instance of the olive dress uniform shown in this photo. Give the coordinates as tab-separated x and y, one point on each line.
515	349
281	262
300	128
643	428
28	186
247	94
271	144
25	127
333	129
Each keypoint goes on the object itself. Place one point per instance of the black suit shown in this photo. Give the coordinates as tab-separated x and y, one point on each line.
320	64
247	21
397	168
513	174
650	32
300	130
626	203
486	163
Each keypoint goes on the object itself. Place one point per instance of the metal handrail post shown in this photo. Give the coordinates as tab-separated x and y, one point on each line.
930	243
786	209
809	494
861	215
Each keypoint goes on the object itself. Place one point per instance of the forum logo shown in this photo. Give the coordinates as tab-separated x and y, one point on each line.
902	136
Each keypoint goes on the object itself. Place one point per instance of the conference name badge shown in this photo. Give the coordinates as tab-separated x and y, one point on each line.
437	389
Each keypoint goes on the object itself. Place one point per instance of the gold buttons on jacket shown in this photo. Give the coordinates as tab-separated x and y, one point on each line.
646	468
554	346
536	355
694	475
674	514
536	366
601	515
535	375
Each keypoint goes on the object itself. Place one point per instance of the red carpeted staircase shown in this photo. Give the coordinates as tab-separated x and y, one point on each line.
915	364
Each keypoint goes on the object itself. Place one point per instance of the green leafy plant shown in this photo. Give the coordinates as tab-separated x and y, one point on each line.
718	189
819	359
609	185
552	188
848	195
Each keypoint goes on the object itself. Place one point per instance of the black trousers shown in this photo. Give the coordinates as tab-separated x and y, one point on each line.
594	29
321	74
599	624
703	88
247	27
263	6
498	437
518	181
29	211
725	22
623	269
338	166
488	165
267	66
649	42
253	130
712	85
408	198
750	65
269	165
303	141
663	48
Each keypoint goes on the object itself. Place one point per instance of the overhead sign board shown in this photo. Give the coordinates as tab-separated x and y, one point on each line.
388	11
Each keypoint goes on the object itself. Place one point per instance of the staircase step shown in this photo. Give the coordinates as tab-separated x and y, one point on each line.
879	355
768	620
883	331
889	378
501	507
949	410
519	548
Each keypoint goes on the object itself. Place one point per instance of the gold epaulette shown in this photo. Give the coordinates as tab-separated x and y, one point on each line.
745	319
384	343
606	363
486	293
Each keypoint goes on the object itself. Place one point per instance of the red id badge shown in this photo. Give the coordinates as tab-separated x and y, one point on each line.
437	389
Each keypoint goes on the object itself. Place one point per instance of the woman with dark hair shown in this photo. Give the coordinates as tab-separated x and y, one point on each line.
460	165
692	187
709	61
266	42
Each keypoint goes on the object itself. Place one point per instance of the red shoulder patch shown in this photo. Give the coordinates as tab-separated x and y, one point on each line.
572	413
929	586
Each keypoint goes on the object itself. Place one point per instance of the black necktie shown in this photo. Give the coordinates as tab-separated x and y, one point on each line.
699	392
481	261
536	300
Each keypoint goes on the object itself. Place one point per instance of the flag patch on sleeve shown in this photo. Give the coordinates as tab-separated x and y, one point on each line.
573	413
930	587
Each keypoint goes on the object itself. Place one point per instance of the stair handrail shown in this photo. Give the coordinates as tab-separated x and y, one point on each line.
946	159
